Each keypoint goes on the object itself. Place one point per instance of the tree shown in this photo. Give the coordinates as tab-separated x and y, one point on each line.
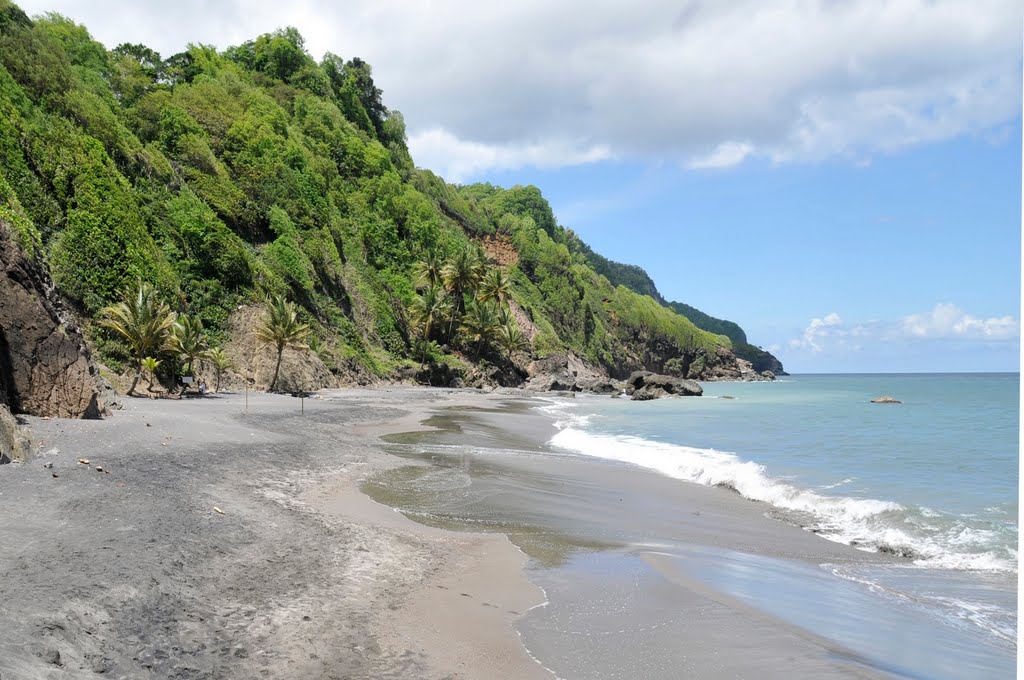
494	286
221	362
281	328
144	322
150	364
480	323
188	342
461	274
511	339
428	271
426	307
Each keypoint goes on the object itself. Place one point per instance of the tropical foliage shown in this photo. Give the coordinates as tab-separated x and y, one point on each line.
281	329
221	363
226	178
144	322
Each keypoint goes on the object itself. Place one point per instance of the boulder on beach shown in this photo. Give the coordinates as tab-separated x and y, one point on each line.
45	368
15	441
886	400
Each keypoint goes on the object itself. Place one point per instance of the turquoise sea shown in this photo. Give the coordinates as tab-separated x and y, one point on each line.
933	479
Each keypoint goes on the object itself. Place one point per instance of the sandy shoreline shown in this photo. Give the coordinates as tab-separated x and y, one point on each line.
225	544
132	572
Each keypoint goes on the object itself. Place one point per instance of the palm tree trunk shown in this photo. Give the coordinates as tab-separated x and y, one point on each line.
459	303
217	388
135	380
277	368
426	340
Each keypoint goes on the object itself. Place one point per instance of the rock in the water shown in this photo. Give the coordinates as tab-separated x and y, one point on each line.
886	400
44	363
598	386
644	385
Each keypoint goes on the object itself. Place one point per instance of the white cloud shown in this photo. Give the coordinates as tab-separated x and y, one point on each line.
457	160
949	321
725	155
945	322
796	80
817	331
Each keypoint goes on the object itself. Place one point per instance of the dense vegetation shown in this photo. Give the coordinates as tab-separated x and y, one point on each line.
223	178
636	279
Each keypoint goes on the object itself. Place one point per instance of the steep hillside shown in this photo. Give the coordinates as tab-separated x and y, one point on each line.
222	178
636	279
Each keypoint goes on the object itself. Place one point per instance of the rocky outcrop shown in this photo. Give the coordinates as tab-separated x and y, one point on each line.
44	364
644	385
597	386
722	364
563	371
438	375
886	400
15	442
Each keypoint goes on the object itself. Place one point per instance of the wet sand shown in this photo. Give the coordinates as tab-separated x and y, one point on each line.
218	544
224	544
651	577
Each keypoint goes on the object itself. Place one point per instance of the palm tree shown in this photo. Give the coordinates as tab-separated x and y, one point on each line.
189	342
494	286
144	322
461	274
281	328
505	316
150	364
511	338
428	306
428	271
221	363
480	323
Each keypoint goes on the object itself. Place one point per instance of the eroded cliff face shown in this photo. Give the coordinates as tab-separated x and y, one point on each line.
44	364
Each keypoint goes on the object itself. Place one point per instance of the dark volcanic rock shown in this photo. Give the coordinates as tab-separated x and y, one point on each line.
563	371
597	386
15	443
438	375
644	385
44	364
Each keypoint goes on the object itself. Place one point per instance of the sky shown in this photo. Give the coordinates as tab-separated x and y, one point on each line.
841	178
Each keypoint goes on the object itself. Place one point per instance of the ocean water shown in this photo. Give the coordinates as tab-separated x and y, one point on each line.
933	479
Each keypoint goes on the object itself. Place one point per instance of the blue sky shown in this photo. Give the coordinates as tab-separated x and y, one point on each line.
842	179
773	247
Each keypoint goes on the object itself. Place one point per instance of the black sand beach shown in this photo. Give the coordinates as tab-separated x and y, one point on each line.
224	544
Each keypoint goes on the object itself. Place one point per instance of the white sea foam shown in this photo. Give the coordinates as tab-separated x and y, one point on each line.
866	523
838	484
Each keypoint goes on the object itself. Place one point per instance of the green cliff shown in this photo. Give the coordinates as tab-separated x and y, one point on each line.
222	178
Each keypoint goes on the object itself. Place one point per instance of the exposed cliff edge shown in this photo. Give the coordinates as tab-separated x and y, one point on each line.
44	364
